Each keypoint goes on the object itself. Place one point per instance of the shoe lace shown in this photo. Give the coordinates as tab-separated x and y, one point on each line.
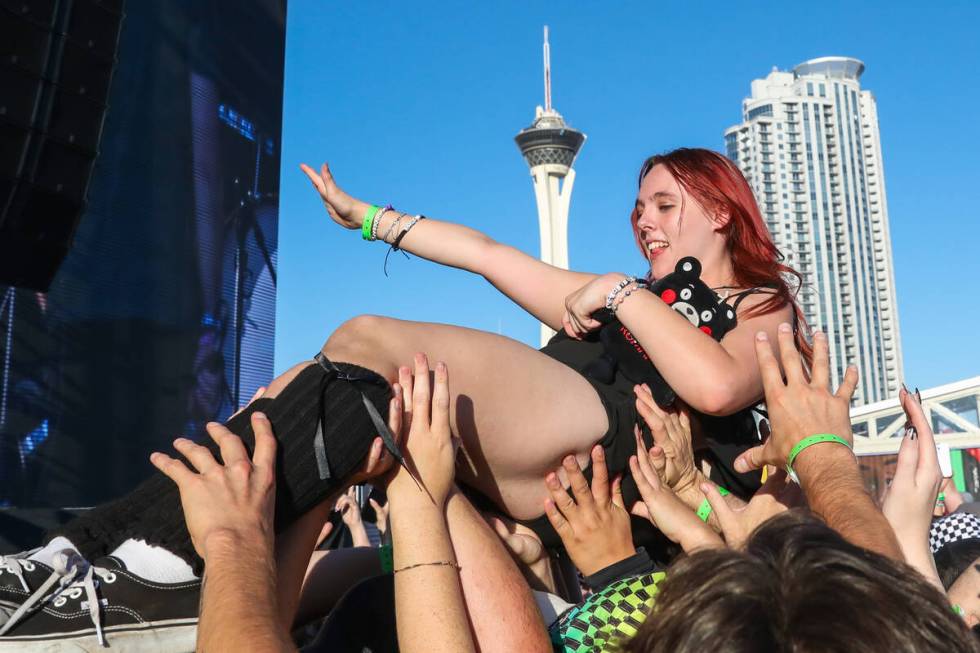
71	575
17	564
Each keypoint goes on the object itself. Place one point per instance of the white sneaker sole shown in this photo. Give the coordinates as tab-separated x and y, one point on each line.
178	636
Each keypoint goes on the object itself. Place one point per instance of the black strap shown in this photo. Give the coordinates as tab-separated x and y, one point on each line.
739	297
319	446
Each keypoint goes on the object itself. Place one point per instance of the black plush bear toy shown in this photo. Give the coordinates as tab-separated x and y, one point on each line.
683	291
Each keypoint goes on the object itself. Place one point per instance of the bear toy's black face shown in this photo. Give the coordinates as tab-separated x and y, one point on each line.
684	292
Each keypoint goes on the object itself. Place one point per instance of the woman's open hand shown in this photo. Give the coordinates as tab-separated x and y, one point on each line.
430	448
345	210
911	497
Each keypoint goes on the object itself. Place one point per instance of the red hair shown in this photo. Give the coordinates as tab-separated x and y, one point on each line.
720	188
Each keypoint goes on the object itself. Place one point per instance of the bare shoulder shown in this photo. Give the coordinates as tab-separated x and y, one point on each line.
748	300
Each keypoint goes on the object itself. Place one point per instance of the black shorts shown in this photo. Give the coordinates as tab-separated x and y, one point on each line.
727	437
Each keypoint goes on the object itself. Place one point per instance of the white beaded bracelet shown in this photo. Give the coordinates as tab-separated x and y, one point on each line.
616	290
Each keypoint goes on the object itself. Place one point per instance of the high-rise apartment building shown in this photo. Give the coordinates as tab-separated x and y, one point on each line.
809	146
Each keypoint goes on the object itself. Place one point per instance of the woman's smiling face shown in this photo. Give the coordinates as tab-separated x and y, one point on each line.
671	224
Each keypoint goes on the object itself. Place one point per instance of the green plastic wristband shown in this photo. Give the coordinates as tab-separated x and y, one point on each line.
387	555
957	610
809	442
704	510
941	498
368	219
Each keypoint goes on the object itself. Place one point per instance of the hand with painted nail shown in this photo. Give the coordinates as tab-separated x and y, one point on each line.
231	501
666	511
593	523
799	407
911	497
430	448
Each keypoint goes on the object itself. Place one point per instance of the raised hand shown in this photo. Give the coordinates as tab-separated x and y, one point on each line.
381	516
775	496
667	512
798	408
594	526
911	497
673	455
430	448
234	500
345	210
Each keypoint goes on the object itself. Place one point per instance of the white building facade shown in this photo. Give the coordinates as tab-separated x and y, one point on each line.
809	146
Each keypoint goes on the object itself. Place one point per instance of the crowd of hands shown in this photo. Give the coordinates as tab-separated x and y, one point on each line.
230	503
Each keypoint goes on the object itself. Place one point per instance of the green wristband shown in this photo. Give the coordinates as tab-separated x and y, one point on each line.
387	555
368	219
809	442
704	510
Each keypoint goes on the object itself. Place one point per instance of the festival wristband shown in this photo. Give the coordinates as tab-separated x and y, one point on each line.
387	554
704	510
809	442
368	221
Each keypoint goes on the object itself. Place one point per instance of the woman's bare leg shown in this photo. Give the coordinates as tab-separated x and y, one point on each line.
517	411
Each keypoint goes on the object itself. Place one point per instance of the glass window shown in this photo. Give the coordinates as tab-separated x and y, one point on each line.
823	90
890	426
809	88
860	429
965	408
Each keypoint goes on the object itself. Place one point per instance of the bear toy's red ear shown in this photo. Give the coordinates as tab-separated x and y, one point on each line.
669	296
706	329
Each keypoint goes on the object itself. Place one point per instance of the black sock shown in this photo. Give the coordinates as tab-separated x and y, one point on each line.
152	512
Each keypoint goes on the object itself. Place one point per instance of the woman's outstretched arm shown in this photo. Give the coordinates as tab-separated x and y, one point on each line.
535	286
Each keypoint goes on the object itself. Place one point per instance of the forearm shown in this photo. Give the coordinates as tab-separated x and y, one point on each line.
493	587
238	605
429	607
535	286
697	367
832	484
446	243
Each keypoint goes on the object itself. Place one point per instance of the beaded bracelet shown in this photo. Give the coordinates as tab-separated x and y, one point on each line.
809	442
377	221
391	229
368	222
626	293
616	290
704	510
408	227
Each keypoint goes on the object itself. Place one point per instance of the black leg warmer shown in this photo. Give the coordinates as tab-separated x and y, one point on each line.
324	431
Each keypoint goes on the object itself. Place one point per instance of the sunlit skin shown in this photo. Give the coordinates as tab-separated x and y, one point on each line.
668	213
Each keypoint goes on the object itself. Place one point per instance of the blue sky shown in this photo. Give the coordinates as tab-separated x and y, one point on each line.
417	104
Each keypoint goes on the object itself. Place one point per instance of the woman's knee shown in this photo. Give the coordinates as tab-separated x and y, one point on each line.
361	340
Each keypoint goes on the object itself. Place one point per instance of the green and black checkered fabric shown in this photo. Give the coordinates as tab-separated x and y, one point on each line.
610	615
